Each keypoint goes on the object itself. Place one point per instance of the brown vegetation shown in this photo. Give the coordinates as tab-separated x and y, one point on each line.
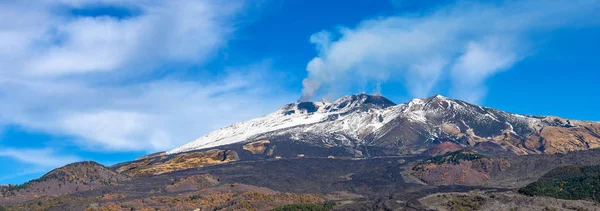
226	197
257	147
188	160
71	178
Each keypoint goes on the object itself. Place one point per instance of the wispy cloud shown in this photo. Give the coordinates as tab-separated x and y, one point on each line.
156	115
104	76
20	174
466	42
33	161
46	40
46	158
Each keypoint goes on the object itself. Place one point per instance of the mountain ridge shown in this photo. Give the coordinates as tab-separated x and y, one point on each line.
409	127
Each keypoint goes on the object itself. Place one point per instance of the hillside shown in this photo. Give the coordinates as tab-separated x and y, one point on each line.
568	182
71	178
458	167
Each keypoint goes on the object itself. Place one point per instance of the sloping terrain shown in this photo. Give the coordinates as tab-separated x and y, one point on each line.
71	178
459	167
470	168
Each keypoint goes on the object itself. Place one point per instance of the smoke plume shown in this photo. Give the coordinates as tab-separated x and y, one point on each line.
465	43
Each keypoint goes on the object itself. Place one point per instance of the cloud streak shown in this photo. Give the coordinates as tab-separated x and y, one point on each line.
47	42
120	79
155	115
39	157
465	42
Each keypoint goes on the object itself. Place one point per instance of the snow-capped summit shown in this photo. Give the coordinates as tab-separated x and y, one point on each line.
372	120
304	108
351	102
344	104
357	113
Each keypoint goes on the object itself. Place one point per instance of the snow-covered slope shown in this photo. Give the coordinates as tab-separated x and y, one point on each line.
374	120
288	116
355	115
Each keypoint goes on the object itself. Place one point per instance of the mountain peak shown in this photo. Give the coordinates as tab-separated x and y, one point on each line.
345	103
360	100
306	107
438	96
434	98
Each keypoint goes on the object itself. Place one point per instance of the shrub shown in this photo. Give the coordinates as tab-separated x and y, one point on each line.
303	207
195	197
329	205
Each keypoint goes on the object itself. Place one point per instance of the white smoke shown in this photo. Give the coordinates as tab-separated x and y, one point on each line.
465	43
309	88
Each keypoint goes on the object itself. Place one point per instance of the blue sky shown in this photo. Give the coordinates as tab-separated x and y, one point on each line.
110	80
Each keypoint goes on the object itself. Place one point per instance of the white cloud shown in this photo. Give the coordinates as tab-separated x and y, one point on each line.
111	129
48	42
38	157
467	42
156	115
94	79
480	61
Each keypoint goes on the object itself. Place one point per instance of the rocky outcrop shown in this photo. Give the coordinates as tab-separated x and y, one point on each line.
257	147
